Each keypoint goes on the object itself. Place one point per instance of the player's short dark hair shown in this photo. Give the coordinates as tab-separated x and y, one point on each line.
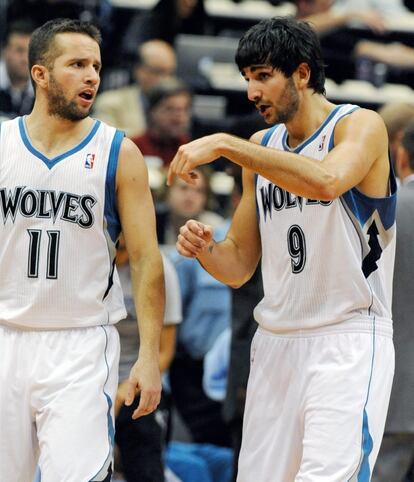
284	43
41	49
407	142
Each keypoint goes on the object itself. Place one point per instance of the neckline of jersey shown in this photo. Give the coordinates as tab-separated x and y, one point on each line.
53	161
307	141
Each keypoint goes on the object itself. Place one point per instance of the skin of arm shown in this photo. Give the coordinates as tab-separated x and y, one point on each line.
327	21
359	158
136	211
233	260
396	54
167	350
167	346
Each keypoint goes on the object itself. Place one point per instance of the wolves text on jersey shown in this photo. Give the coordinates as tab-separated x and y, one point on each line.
275	198
46	204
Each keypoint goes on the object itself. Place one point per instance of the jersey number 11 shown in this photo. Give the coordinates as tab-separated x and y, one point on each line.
52	253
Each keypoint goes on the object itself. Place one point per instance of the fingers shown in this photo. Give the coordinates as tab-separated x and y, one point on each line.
182	167
193	238
179	167
374	21
148	403
131	391
198	229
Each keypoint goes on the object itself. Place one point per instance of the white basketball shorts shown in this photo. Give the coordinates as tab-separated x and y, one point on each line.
316	404
56	403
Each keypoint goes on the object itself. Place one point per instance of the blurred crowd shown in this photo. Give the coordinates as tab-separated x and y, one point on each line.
195	434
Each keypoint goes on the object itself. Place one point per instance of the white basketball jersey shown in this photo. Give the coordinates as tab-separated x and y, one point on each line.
58	230
323	262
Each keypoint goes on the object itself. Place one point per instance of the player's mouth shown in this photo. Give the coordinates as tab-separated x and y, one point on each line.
87	96
263	109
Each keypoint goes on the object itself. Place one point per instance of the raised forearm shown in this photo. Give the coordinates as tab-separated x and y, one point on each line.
225	262
308	178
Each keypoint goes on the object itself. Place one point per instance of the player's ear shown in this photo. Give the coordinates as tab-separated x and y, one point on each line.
40	75
302	74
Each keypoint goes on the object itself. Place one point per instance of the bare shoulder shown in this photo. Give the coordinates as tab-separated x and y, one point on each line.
258	136
367	115
361	120
131	164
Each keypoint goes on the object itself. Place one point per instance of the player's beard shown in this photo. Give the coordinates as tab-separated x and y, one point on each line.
288	103
61	107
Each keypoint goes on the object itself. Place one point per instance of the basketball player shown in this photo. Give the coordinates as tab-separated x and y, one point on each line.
318	206
68	184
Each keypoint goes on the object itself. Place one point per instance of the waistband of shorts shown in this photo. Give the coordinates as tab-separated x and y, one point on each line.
35	329
362	324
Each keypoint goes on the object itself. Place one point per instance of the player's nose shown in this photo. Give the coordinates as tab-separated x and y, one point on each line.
92	76
253	92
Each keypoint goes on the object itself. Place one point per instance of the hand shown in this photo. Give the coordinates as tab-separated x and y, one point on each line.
195	153
371	18
120	398
144	377
194	238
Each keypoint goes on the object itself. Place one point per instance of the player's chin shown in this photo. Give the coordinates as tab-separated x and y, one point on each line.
270	118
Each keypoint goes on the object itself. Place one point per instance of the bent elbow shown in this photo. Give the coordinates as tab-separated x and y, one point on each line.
236	284
330	188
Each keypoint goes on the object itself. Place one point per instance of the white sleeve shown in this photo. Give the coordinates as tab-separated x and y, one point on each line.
173	309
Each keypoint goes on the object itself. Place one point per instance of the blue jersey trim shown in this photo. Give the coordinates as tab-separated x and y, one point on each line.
268	134
363	206
110	210
367	444
331	140
307	141
111	426
256	179
52	162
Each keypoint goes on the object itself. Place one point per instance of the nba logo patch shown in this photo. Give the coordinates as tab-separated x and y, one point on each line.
90	159
322	143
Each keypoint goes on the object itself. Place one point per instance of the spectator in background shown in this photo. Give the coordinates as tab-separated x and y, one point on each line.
126	108
169	116
206	313
396	116
183	202
385	7
16	91
338	41
142	442
396	456
40	11
324	18
165	20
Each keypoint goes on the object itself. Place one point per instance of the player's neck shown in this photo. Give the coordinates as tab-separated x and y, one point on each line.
53	135
313	110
